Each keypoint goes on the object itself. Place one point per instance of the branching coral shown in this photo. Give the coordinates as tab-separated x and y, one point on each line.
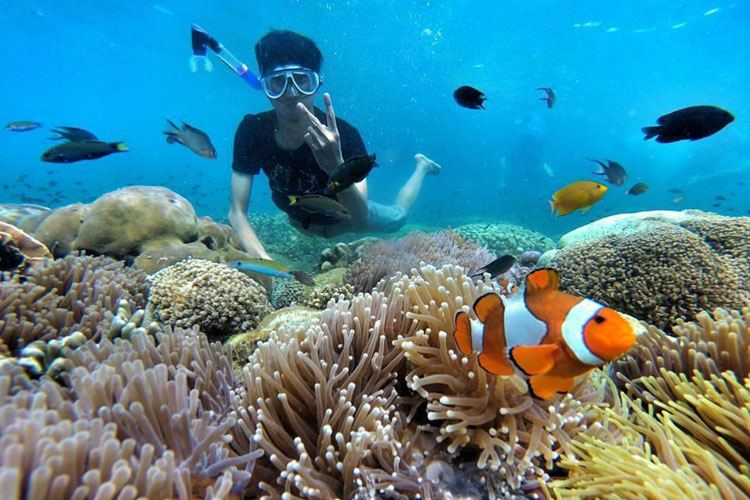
220	300
660	274
385	258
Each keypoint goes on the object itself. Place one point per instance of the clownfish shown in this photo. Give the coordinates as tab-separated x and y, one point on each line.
547	336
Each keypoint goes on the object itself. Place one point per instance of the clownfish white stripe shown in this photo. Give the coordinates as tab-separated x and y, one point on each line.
522	327
572	331
477	335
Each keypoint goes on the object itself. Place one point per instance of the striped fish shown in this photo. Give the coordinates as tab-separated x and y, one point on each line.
547	336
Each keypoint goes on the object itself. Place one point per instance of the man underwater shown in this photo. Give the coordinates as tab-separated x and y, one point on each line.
298	145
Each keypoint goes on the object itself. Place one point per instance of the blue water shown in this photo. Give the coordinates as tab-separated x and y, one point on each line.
120	69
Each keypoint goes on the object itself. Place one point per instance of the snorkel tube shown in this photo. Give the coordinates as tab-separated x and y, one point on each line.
202	40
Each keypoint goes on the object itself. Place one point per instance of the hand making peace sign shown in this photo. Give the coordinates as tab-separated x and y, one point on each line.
324	139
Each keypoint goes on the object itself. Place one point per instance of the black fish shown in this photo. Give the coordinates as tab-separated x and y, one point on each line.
469	97
69	152
551	98
195	140
73	134
613	172
695	122
352	170
497	266
720	198
637	189
675	191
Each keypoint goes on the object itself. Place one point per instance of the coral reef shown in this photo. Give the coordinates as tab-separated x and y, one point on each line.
293	317
18	249
342	254
131	219
149	226
287	293
285	243
141	420
688	428
74	295
385	258
468	409
321	295
505	239
219	300
665	272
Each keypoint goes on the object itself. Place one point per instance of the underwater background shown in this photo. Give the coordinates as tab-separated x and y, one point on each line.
121	68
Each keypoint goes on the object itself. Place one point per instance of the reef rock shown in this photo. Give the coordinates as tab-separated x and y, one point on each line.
134	218
661	267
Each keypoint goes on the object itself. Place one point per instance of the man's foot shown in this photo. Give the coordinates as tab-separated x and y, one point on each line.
428	166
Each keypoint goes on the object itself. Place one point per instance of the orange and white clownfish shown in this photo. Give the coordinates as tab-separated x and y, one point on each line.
547	336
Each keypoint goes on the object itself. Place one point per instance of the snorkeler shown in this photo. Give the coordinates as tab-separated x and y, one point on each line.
298	146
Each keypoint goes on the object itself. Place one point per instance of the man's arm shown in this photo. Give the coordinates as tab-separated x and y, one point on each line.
241	186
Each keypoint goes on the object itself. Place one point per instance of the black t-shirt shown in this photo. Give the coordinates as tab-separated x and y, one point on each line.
289	172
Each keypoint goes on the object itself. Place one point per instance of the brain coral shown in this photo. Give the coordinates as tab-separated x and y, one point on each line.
504	239
220	300
665	272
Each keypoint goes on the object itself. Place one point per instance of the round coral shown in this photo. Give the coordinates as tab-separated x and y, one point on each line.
219	300
664	273
126	221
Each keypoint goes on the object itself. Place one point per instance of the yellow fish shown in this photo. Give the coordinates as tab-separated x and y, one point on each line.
577	195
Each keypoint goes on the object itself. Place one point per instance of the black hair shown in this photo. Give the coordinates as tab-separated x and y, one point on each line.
282	47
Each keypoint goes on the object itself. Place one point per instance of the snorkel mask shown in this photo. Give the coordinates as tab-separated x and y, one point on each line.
304	80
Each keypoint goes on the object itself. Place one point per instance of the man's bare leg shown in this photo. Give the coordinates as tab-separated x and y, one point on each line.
408	194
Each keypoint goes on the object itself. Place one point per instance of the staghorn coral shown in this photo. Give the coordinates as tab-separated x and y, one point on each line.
660	274
141	419
220	300
74	294
471	410
385	258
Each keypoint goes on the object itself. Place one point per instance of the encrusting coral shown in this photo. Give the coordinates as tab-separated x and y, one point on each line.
385	258
665	272
220	300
